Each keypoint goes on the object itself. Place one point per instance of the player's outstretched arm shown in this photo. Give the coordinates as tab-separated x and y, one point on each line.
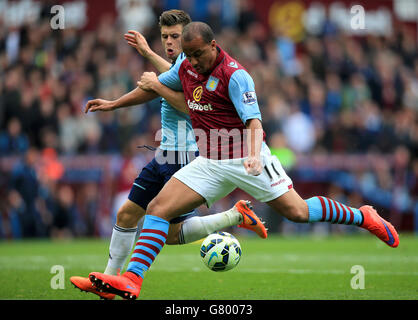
149	81
138	41
135	97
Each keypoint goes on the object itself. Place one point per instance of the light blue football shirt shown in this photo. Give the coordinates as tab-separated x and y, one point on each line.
176	128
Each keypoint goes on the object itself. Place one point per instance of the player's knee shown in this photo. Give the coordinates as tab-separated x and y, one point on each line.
298	214
161	209
156	208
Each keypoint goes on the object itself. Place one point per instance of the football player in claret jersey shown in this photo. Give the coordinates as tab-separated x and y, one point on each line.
222	101
177	148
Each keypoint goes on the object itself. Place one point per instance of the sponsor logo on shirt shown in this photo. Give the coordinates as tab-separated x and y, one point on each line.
233	64
197	93
197	106
249	97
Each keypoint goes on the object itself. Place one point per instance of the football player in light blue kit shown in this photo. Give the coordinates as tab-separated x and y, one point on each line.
177	148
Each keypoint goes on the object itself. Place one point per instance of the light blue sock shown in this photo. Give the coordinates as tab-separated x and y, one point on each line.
325	209
150	242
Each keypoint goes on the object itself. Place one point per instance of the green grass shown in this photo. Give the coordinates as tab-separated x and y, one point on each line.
294	268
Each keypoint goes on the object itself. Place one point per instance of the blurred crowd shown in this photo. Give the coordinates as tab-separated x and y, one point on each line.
328	94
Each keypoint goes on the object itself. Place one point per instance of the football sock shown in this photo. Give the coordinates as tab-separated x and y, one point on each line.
325	209
121	244
196	228
150	242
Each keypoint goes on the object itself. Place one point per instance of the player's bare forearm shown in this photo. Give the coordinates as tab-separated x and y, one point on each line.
135	97
254	137
174	98
149	81
253	163
158	62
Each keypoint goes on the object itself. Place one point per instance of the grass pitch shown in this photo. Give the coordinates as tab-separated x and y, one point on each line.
291	268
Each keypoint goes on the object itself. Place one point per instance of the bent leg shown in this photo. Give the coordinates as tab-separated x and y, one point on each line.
174	199
197	227
291	206
123	235
128	217
315	209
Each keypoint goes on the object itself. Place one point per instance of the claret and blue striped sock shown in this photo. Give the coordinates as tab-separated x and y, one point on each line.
150	242
325	209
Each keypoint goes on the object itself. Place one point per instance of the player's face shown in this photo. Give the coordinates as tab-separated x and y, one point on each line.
171	39
200	54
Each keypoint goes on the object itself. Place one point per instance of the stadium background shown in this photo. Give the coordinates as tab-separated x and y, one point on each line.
339	106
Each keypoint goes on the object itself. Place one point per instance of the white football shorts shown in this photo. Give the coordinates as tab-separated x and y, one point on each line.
215	179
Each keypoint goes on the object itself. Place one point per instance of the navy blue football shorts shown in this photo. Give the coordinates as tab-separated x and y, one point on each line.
155	175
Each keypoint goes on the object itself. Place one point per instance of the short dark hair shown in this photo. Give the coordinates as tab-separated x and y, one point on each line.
173	17
196	29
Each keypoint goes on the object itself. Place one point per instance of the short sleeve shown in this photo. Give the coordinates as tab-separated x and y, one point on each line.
171	77
242	94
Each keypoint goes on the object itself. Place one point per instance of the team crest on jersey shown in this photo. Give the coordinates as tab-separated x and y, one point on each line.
212	83
197	93
249	97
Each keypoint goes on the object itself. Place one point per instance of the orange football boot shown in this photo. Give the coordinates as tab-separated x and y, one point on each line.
250	219
379	226
126	286
84	284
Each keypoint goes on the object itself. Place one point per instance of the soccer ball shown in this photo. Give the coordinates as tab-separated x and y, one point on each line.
220	251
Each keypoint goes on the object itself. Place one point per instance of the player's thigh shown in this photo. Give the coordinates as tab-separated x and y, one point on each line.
291	206
203	177
129	214
174	199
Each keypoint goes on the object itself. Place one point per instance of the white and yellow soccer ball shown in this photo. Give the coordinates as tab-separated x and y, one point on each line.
220	251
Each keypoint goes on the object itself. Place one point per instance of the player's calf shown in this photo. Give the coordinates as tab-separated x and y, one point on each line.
173	233
129	214
291	206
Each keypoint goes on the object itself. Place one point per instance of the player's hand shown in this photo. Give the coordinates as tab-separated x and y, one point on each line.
138	41
148	80
253	166
99	105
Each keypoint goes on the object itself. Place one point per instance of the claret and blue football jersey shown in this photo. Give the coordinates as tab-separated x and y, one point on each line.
219	102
